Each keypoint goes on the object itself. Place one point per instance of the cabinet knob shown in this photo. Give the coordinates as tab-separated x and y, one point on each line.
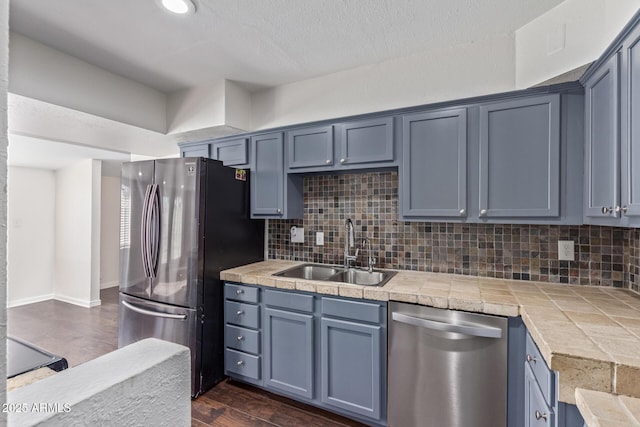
607	210
279	211
343	160
621	209
462	212
239	291
240	312
541	416
241	362
240	337
328	162
531	359
483	212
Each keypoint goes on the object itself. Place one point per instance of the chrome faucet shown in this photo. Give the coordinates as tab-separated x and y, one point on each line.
371	260
349	242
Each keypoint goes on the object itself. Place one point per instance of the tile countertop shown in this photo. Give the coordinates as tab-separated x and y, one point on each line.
590	335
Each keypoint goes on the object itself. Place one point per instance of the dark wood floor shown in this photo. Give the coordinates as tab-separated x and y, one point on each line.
82	334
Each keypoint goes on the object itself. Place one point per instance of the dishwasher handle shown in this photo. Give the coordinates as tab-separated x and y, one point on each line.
474	330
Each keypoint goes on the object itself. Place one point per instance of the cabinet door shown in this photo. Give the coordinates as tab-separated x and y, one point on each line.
367	141
351	368
434	165
195	151
520	158
630	114
602	141
288	352
310	147
537	412
231	153
267	175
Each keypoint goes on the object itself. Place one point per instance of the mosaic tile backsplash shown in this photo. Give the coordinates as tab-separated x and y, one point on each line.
605	256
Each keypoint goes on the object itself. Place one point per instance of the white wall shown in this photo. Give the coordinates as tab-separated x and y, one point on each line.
572	34
31	236
4	73
77	254
484	67
110	232
40	72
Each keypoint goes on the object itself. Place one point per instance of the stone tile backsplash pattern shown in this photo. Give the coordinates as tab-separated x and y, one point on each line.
605	256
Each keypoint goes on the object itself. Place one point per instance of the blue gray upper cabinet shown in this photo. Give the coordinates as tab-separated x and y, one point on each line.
232	153
367	141
434	168
273	194
520	158
310	147
602	142
267	175
630	121
195	150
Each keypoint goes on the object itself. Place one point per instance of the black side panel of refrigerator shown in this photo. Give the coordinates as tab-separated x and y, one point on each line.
231	239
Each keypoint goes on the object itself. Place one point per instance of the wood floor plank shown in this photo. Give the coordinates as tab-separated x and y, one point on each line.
220	415
276	409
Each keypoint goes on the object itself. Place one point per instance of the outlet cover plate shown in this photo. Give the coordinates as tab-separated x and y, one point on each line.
566	250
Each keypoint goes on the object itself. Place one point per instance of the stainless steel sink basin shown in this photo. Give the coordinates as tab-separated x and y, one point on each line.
363	277
338	274
310	272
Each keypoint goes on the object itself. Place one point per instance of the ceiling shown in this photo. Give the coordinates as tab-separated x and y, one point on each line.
258	43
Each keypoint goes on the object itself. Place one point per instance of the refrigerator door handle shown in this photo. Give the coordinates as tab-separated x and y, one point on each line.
154	313
154	226
144	232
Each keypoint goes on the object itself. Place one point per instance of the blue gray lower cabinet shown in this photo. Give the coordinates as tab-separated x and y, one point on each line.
542	408
351	366
330	352
288	351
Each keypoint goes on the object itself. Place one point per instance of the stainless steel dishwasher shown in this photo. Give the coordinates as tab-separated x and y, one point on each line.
446	368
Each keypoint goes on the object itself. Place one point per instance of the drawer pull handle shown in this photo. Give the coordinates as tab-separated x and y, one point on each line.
239	291
531	358
240	312
541	416
240	337
240	363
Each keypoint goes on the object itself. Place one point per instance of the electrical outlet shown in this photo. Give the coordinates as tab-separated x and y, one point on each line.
319	238
566	250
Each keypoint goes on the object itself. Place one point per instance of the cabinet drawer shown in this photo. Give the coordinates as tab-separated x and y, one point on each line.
241	314
243	364
240	293
289	300
355	310
242	339
538	413
543	375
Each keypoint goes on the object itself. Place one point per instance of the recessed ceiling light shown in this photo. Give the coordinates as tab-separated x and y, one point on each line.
180	7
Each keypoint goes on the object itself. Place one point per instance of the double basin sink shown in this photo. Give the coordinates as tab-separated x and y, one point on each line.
338	274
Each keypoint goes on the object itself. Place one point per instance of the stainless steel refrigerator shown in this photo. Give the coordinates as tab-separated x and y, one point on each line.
182	222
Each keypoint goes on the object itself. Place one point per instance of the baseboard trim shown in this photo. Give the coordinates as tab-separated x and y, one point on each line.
30	300
107	285
78	301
